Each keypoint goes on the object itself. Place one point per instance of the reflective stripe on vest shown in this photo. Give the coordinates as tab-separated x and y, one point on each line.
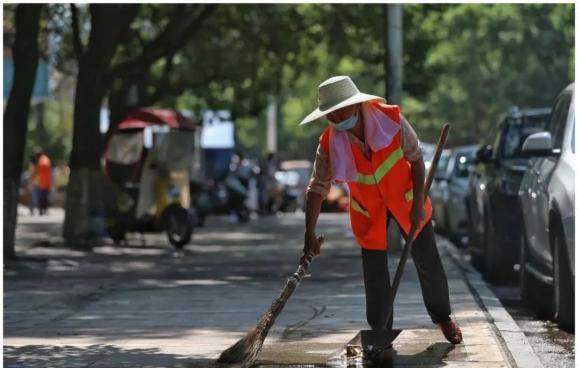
409	195
381	170
357	207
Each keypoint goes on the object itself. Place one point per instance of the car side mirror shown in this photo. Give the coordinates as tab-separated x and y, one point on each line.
538	144
484	154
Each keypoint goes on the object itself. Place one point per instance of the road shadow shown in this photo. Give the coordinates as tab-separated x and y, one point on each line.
433	356
96	356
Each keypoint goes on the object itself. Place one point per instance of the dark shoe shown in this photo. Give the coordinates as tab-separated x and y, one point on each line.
451	331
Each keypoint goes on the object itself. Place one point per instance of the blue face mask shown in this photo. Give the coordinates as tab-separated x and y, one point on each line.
347	123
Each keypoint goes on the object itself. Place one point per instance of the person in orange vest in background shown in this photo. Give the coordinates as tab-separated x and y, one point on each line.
42	178
369	145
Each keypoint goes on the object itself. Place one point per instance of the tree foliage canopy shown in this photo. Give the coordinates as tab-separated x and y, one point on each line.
464	63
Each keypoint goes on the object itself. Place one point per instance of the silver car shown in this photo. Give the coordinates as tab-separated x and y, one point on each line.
450	190
547	201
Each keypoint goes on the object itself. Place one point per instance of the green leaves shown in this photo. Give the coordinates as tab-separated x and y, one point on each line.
491	57
463	63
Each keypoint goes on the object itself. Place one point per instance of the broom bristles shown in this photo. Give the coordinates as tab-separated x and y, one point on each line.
243	350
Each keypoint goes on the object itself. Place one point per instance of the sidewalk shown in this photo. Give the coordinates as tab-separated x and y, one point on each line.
134	306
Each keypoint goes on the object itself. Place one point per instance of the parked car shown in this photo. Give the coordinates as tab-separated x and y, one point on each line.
451	187
436	192
547	200
494	216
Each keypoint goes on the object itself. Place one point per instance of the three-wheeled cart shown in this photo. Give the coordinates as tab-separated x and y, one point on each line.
147	160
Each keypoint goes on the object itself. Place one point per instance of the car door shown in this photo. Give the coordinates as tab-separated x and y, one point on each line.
478	190
437	190
493	177
542	170
457	186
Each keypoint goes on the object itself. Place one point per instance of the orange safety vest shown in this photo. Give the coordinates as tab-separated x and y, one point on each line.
44	172
382	184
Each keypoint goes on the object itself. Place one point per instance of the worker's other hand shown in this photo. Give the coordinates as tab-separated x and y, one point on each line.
417	214
311	245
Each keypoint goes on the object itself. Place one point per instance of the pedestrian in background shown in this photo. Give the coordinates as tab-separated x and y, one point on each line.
42	178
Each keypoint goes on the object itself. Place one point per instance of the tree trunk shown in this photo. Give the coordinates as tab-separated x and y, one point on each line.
84	191
117	103
25	54
84	219
109	27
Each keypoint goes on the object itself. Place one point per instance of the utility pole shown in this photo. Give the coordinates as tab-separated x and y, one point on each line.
272	125
393	63
394	58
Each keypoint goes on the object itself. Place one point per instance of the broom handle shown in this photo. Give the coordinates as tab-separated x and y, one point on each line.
292	283
410	238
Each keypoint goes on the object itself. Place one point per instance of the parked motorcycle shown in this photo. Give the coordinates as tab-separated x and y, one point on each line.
221	197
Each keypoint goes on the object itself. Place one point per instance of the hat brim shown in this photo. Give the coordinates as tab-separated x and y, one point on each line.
357	98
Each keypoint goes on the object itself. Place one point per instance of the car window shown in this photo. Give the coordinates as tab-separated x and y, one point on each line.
557	123
517	130
443	164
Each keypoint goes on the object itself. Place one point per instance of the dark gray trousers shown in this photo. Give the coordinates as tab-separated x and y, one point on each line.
432	279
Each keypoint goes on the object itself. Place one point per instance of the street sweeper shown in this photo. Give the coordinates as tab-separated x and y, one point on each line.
369	145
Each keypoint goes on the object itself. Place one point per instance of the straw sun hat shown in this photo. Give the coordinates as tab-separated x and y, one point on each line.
335	93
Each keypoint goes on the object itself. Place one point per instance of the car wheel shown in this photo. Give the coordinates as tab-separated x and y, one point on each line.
478	262
563	298
496	264
447	228
474	242
453	234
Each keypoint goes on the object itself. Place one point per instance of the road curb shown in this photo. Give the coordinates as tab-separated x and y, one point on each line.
518	349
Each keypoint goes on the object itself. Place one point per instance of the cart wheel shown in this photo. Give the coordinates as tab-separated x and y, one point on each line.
178	225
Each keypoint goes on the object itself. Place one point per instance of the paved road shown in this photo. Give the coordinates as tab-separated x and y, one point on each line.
554	347
147	306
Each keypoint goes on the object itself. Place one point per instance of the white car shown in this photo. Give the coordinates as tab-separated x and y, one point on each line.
547	201
449	192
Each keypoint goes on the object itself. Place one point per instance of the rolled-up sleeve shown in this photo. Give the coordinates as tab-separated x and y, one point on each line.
321	177
410	144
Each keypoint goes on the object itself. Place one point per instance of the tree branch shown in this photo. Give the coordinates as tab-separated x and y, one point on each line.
168	42
77	43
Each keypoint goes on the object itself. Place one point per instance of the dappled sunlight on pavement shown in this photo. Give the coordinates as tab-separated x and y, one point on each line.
141	306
